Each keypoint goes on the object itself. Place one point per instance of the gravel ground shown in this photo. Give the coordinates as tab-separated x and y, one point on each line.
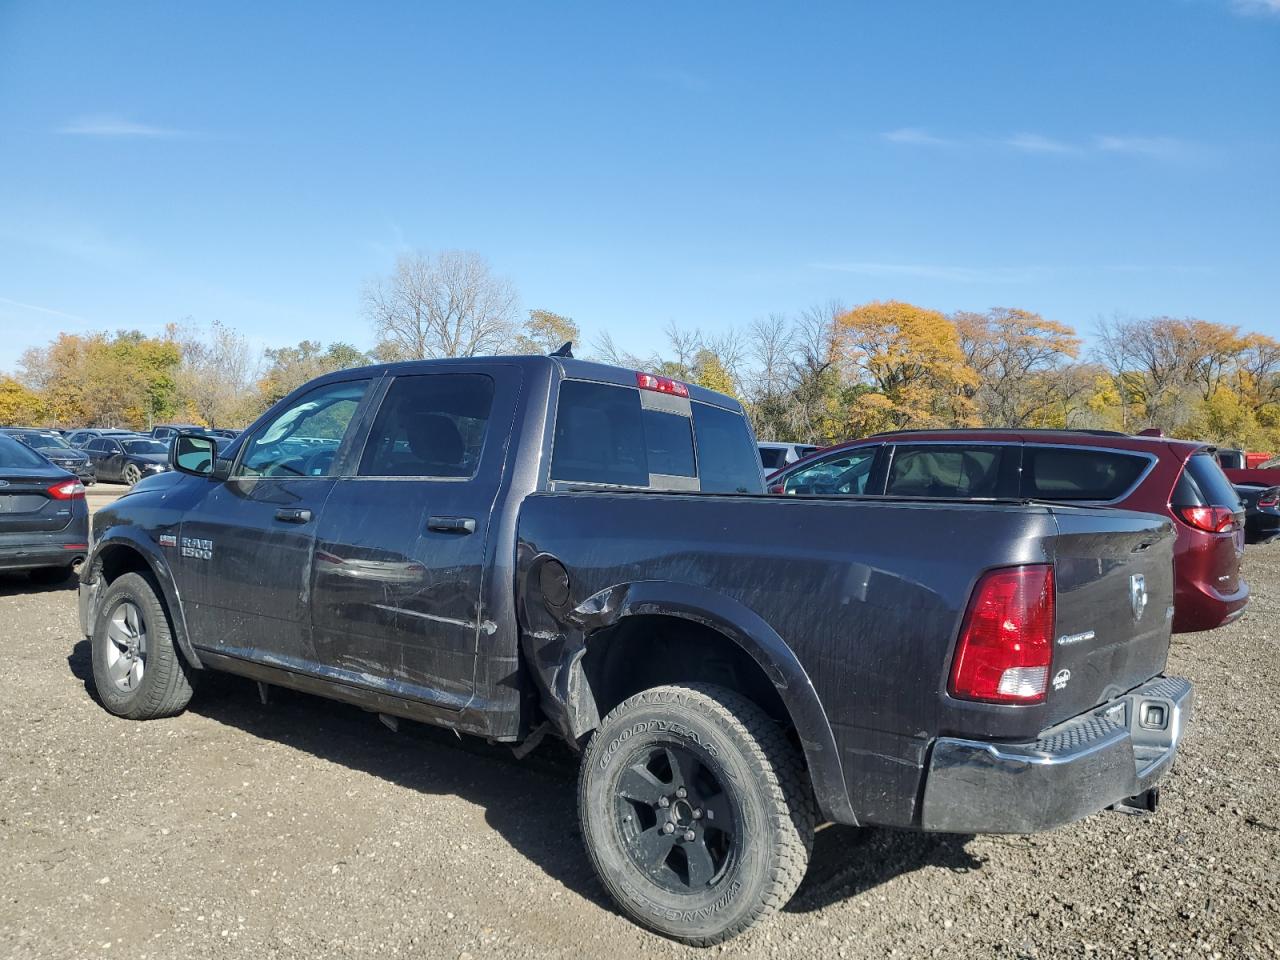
306	829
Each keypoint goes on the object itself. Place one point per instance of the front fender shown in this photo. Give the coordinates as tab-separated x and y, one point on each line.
133	540
556	656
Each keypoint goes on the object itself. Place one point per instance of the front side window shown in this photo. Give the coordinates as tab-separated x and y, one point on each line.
843	475
930	470
303	439
430	426
1058	473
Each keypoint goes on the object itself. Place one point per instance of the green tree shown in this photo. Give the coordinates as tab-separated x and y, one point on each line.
20	406
545	332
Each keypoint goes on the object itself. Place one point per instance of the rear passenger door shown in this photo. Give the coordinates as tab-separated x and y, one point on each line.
973	471
400	558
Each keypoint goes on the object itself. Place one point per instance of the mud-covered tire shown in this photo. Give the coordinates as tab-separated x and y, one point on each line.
764	796
132	615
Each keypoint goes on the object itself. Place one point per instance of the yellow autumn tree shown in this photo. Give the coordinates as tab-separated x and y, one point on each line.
901	366
20	407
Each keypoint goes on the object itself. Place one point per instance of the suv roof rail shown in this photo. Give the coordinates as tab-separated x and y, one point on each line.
1086	432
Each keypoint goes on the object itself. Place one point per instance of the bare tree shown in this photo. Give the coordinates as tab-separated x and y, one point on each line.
449	305
217	372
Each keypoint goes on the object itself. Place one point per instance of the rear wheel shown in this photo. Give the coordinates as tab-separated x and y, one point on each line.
696	811
136	670
132	474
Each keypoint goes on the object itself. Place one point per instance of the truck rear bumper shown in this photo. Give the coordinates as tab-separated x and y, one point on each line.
1077	768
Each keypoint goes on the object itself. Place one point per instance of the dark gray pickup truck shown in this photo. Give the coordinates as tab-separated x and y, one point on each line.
517	546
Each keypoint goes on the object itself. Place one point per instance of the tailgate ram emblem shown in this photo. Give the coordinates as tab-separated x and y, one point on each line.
1138	595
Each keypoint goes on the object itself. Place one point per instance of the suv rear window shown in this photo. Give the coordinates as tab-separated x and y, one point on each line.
1064	473
773	458
1203	483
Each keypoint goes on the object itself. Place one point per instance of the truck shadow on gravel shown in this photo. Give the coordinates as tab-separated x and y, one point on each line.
531	803
21	585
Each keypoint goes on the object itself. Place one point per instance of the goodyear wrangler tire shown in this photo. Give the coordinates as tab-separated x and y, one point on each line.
136	670
696	811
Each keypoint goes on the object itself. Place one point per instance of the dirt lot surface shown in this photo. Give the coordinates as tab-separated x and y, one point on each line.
306	829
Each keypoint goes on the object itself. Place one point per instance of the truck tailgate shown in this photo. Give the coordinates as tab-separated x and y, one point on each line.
1114	605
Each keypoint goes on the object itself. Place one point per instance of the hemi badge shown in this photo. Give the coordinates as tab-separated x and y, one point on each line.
169	540
1071	638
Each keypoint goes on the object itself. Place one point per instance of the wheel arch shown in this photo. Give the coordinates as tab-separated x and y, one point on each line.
612	638
120	552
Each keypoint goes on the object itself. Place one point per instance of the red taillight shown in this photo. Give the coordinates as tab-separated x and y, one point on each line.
647	381
1209	519
1006	642
1269	499
67	490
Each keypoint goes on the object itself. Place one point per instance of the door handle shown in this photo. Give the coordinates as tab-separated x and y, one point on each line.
294	515
462	525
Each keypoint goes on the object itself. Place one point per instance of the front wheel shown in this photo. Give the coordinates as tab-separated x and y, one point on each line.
136	669
132	474
696	811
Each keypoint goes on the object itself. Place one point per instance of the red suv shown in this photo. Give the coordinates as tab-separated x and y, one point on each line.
1175	478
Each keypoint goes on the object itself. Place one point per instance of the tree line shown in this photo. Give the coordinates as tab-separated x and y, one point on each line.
825	374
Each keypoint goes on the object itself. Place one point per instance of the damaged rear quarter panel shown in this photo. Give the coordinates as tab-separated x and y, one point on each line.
849	606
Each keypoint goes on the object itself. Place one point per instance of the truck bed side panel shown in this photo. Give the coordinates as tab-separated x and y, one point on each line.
867	594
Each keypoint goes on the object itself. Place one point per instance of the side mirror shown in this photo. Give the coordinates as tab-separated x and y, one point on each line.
197	455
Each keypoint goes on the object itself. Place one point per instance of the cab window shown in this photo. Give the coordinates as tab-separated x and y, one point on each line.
430	426
303	439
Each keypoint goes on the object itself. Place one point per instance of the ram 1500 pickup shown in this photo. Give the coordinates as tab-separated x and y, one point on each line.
517	546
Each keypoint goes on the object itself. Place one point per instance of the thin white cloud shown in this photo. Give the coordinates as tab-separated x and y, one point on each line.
108	125
35	308
929	271
1038	143
1162	148
1156	148
915	136
1256	8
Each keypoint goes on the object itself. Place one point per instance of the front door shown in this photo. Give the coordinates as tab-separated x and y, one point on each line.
400	555
245	550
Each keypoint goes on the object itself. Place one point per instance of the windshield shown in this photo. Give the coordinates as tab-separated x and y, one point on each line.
40	440
144	446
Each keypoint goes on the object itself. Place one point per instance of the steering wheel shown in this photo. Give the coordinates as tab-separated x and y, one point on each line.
318	464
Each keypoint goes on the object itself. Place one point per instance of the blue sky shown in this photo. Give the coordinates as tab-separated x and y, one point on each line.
633	164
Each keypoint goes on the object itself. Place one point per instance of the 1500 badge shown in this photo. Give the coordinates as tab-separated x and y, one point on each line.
197	549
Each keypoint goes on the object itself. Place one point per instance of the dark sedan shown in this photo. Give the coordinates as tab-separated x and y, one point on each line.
52	445
127	459
44	520
1262	512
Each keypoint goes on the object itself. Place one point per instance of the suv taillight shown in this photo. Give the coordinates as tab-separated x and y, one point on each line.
1208	519
1269	498
1006	641
67	490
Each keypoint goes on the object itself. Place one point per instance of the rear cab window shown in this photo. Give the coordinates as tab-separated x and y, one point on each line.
613	435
